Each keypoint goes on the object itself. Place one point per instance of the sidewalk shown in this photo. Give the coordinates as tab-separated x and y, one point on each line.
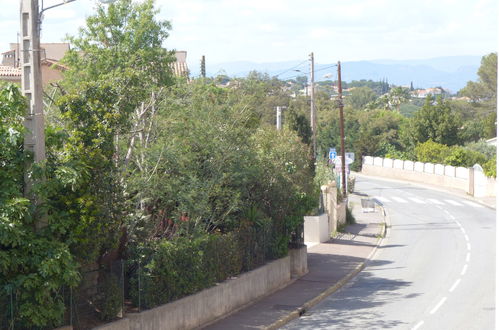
331	265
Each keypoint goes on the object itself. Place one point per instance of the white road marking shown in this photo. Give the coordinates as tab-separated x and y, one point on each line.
416	200
468	245
466	238
465	268
398	199
435	201
453	202
464	231
382	199
418	325
472	204
454	286
440	303
468	256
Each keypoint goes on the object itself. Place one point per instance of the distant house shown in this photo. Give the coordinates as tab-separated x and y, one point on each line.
51	72
50	56
179	67
10	74
423	93
54	51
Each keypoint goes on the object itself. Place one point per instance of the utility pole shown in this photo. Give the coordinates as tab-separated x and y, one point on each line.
31	79
342	133
203	67
313	123
31	87
279	118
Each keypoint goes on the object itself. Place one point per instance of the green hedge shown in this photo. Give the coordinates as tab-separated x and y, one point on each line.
180	267
167	270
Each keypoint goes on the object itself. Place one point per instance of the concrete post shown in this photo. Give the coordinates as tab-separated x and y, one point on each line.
31	78
279	118
31	87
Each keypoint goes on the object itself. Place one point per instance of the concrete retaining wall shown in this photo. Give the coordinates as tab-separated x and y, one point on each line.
319	228
298	261
316	228
329	193
437	174
341	212
207	305
491	187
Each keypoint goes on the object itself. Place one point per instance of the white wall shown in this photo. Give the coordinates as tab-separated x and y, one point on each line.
437	174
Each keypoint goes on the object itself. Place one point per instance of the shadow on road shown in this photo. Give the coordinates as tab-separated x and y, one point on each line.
359	304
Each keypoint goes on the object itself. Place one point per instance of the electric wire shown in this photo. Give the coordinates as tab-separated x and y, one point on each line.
306	73
294	67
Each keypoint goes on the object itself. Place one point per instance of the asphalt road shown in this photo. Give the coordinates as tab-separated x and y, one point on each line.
434	270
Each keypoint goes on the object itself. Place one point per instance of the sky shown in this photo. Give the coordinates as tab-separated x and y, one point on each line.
288	30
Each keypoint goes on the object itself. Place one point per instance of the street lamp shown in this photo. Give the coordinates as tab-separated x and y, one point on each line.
31	80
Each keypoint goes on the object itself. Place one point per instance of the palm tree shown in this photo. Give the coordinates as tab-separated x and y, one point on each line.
397	96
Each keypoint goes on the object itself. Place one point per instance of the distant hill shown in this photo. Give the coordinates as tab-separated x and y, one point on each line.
452	72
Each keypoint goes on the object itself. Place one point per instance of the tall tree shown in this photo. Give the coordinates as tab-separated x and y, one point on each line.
483	94
435	121
360	96
116	70
485	89
397	96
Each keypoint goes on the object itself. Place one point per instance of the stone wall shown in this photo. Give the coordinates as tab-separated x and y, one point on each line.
437	174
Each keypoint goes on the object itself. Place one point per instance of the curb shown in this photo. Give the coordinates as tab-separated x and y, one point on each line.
314	301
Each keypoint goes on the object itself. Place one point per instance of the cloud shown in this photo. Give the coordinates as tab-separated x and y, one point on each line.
277	30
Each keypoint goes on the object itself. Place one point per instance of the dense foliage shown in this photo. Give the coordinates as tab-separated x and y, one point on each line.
33	265
189	181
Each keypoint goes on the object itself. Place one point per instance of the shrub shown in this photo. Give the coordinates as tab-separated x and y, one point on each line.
169	270
110	300
460	156
490	168
432	152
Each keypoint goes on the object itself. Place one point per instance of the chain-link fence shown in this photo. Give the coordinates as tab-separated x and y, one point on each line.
98	299
164	271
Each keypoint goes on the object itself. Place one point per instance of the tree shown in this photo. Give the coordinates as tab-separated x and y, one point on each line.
360	96
485	89
34	265
435	121
122	44
379	133
397	96
483	95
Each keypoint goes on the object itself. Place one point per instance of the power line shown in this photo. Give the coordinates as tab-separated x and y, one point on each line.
291	68
327	67
308	72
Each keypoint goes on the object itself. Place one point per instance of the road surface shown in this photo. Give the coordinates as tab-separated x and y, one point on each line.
434	270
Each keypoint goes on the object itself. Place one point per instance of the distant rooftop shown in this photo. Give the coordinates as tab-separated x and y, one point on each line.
8	71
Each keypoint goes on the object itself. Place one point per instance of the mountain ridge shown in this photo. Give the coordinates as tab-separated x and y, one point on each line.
450	72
